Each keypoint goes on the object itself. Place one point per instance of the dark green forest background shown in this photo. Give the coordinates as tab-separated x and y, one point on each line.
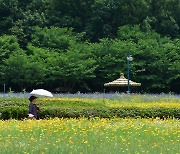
78	45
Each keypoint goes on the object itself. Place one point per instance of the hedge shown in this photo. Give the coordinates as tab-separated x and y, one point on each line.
17	108
20	112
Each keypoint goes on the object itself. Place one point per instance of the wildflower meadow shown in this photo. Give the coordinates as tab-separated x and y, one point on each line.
90	136
94	130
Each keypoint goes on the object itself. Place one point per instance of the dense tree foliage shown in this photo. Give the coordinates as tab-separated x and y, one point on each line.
78	45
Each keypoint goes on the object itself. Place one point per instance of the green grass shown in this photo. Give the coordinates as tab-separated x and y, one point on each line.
90	136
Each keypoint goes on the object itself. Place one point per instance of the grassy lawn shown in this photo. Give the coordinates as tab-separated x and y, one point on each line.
84	135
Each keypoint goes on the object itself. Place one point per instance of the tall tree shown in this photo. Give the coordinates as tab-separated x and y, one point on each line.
70	13
154	59
68	61
8	11
21	72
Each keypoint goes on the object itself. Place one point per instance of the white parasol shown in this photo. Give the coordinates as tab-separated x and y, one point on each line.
41	93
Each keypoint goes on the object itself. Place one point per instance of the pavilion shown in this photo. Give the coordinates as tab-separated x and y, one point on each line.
122	82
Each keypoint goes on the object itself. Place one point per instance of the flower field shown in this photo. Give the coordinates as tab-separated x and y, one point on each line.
124	124
94	135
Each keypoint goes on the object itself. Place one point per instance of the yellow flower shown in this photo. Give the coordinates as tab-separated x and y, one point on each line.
85	142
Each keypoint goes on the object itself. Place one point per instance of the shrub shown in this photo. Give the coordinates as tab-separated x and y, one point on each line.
67	108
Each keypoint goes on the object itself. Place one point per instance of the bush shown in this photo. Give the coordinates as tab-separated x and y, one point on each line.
21	113
67	108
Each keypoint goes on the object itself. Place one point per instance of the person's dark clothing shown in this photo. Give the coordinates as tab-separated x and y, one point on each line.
33	109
